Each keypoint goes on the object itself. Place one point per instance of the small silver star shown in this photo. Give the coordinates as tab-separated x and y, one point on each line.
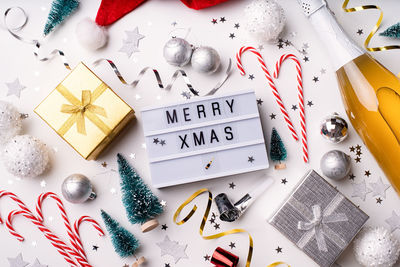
323	71
393	221
186	94
113	191
360	190
305	46
15	88
173	249
36	263
137	96
17	261
34	244
134	37
132	156
43	183
128	49
379	188
163	203
144	146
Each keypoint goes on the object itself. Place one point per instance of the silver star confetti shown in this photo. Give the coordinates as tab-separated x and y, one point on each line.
393	221
132	156
163	203
17	261
43	184
15	88
128	49
173	249
134	37
36	263
360	190
379	188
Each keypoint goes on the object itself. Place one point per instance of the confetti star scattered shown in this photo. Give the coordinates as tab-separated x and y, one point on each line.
232	245
216	226
36	263
43	183
212	220
360	31
280	40
367	173
95	247
378	200
34	244
352	176
174	23
104	164
294	107
231	35
134	37
132	155
379	188
173	249
310	103
237	25
259	101
323	71
272	116
155	141
305	59
214	21
15	88
352	149
128	49
393	221
283	181
360	190
358	153
163	203
250	159
17	261
315	79
222	19
260	47
358	160
164	227
232	185
293	34
358	147
287	43
278	249
207	257
144	145
162	142
137	96
167	265
113	191
186	94
50	218
280	45
305	46
251	76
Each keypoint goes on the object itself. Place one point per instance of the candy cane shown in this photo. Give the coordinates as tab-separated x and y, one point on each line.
91	221
15	198
301	99
270	82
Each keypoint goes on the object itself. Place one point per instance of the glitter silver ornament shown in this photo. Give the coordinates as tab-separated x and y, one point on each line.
205	59
178	52
376	247
25	156
77	188
264	20
334	128
10	122
335	164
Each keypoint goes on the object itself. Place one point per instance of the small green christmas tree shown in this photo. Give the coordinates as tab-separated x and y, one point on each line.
141	205
60	9
278	151
393	31
125	243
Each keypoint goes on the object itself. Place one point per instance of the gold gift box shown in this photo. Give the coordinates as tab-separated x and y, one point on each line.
85	112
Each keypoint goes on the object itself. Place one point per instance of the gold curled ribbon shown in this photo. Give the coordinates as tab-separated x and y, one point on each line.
204	220
278	263
374	29
79	109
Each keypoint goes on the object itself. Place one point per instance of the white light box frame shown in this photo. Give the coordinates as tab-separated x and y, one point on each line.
203	138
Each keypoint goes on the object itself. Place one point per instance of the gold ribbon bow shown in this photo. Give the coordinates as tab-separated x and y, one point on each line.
79	109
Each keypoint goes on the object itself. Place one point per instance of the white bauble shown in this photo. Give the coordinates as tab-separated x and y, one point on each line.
205	59
10	122
177	52
91	35
25	156
264	20
376	247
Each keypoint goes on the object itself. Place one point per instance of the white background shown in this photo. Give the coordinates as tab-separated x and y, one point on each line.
154	20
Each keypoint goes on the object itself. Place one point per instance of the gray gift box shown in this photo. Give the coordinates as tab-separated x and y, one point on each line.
319	219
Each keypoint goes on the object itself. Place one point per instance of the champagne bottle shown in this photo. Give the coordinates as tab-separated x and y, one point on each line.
370	92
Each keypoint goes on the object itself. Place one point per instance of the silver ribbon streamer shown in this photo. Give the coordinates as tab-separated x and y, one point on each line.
317	223
173	78
32	41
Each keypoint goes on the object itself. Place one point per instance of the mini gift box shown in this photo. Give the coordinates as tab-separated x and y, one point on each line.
85	112
319	219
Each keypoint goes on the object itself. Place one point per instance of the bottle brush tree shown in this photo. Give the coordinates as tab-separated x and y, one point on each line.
393	31
60	9
141	205
277	150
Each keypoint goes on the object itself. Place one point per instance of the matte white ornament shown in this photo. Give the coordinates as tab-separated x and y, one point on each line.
205	59
91	35
25	156
264	20
376	247
10	121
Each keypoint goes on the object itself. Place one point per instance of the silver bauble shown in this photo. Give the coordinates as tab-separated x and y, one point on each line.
335	164
177	52
77	188
10	121
334	128
205	59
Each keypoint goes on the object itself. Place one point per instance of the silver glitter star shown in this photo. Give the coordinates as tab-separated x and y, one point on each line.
393	221
360	190
15	88
134	37
36	263
163	203
173	249
132	156
43	183
186	94
17	261
379	188
128	49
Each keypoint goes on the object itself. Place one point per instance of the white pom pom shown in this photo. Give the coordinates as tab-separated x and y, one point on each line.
25	156
10	122
376	247
264	20
91	35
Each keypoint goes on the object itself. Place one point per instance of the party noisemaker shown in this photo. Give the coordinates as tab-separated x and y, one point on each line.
223	258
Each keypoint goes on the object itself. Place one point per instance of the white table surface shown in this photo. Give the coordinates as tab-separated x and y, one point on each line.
154	20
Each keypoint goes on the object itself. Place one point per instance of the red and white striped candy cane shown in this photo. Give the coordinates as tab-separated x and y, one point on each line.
301	99
270	82
15	198
55	241
91	221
